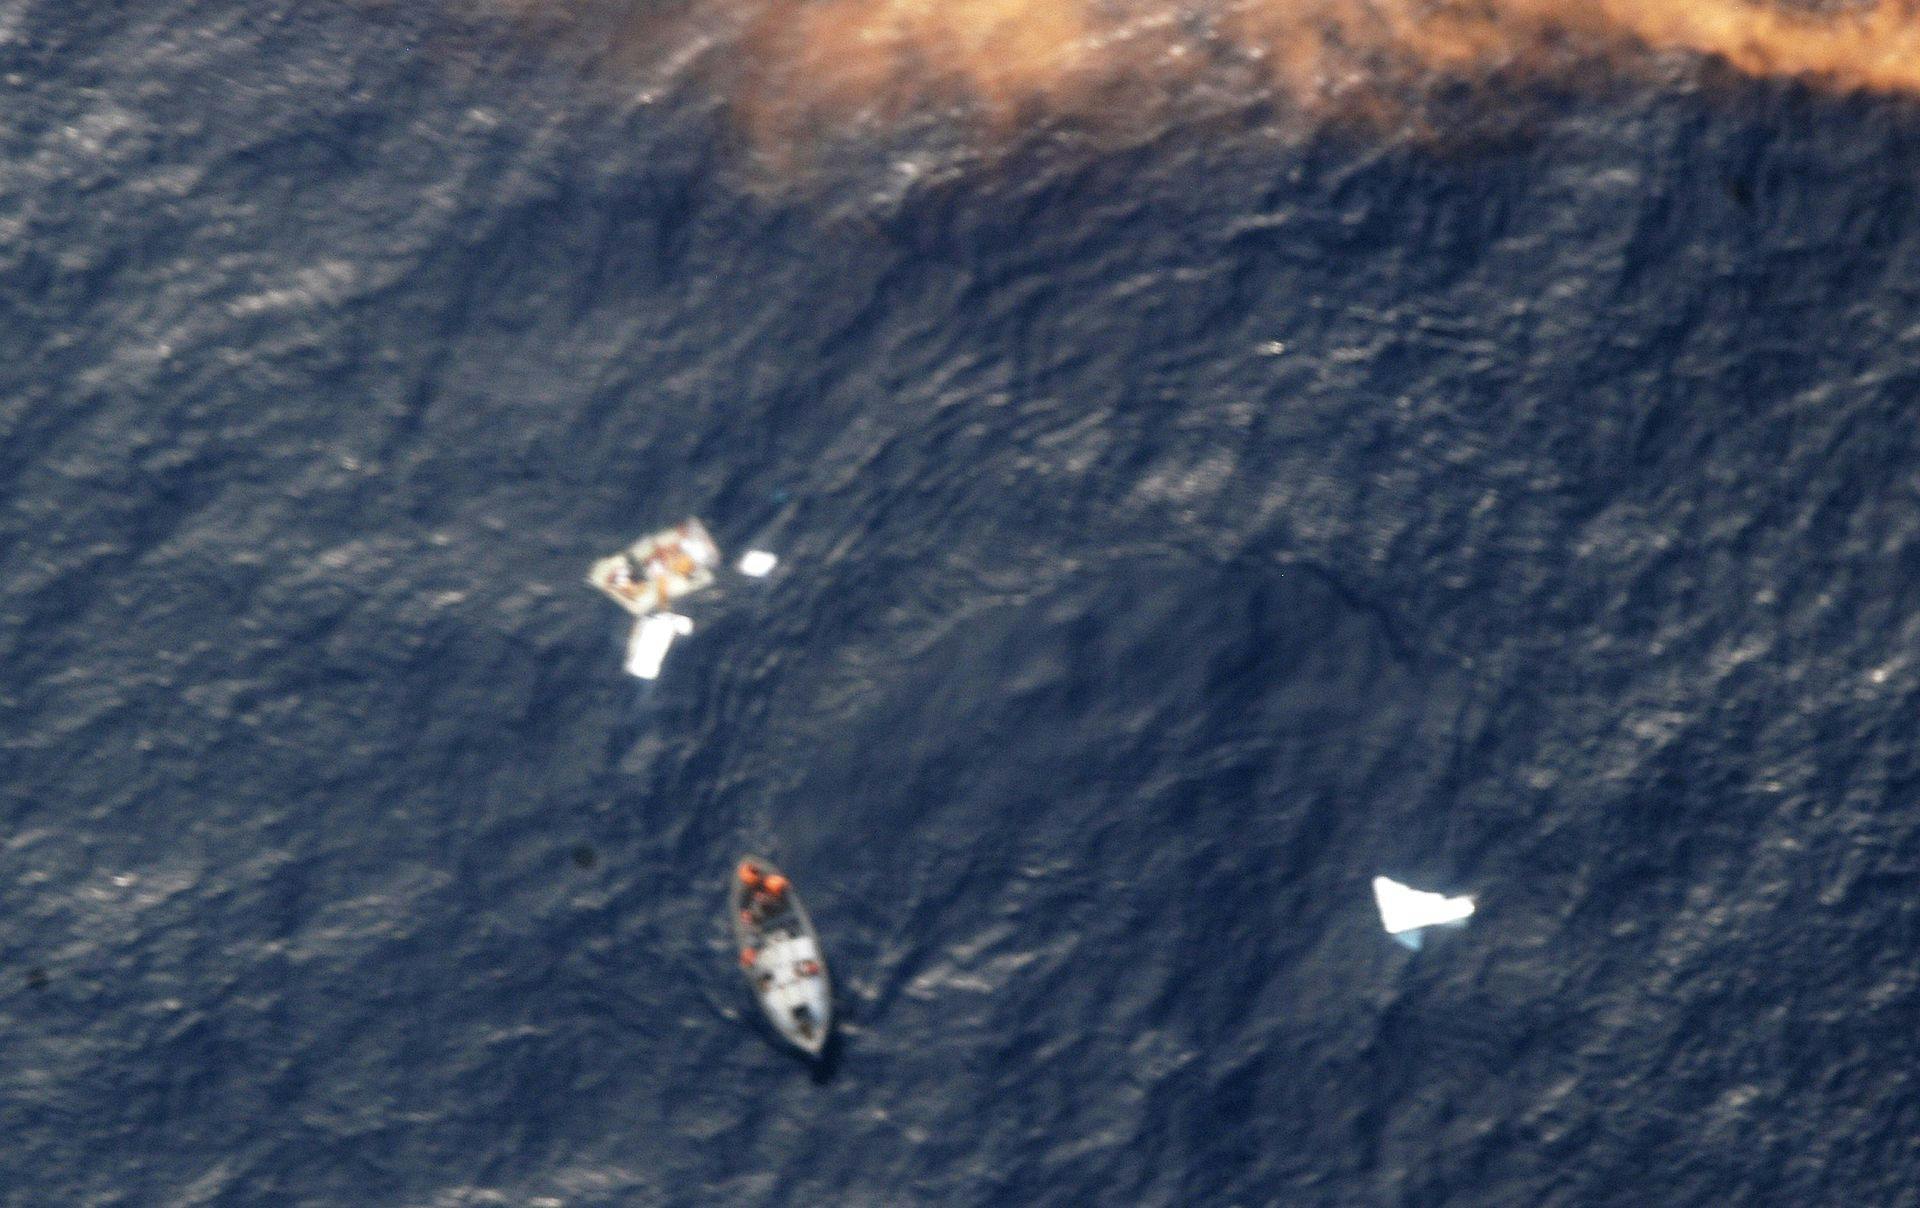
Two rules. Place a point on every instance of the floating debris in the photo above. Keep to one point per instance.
(758, 563)
(1406, 913)
(648, 643)
(658, 569)
(644, 578)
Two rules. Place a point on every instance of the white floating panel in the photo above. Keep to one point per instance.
(1406, 912)
(758, 563)
(652, 635)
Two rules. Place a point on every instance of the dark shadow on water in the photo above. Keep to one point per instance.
(822, 1069)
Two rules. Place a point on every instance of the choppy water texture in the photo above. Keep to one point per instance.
(1179, 529)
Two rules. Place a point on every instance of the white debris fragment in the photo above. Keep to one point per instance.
(652, 635)
(1406, 913)
(758, 563)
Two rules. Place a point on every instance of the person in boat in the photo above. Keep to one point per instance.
(766, 895)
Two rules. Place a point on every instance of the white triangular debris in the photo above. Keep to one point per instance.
(758, 563)
(1404, 910)
(652, 635)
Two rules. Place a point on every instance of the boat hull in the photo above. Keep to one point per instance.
(781, 957)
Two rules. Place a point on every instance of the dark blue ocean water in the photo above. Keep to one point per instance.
(1177, 532)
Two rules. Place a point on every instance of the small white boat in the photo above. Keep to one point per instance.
(659, 569)
(780, 954)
